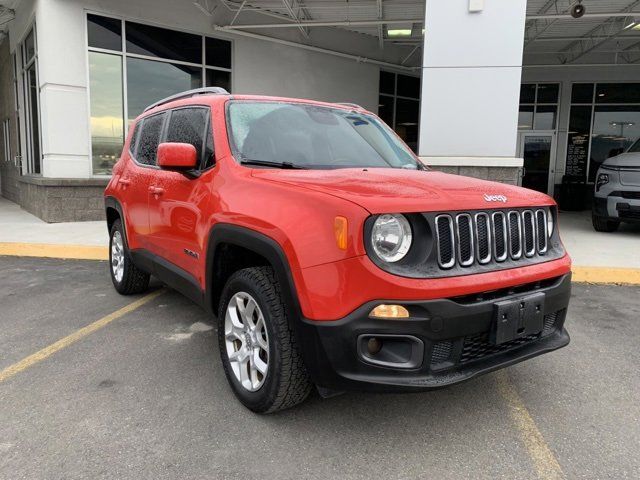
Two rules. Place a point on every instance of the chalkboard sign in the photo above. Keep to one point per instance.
(578, 142)
(577, 156)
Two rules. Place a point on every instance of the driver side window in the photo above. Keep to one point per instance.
(191, 125)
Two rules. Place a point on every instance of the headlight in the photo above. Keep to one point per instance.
(549, 223)
(391, 237)
(603, 179)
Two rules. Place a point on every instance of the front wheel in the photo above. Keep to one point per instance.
(601, 224)
(257, 345)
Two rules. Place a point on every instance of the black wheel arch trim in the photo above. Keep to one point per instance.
(260, 244)
(112, 202)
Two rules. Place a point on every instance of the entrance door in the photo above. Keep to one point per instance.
(538, 148)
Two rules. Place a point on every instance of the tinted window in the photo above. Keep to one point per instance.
(582, 93)
(104, 32)
(618, 93)
(548, 93)
(218, 52)
(209, 155)
(163, 43)
(408, 86)
(387, 83)
(149, 140)
(217, 78)
(385, 109)
(528, 93)
(187, 125)
(134, 139)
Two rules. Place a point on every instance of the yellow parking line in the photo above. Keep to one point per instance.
(624, 276)
(46, 250)
(544, 461)
(74, 337)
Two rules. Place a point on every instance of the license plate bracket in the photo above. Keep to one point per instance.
(519, 317)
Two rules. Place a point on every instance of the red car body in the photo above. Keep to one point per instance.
(172, 216)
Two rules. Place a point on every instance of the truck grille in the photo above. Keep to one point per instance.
(464, 239)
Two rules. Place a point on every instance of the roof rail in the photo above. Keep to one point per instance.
(188, 94)
(353, 105)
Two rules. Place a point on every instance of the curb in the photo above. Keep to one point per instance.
(45, 250)
(606, 275)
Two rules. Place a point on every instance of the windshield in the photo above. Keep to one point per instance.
(315, 137)
(635, 147)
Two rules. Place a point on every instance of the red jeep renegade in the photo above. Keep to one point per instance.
(330, 255)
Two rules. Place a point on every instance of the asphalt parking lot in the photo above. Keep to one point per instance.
(145, 397)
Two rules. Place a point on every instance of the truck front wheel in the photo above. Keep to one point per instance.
(257, 345)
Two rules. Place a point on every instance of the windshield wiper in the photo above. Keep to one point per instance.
(267, 163)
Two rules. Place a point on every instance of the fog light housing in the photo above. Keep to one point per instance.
(389, 311)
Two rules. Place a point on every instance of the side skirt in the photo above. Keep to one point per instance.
(171, 274)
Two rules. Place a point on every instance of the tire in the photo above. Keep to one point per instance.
(130, 279)
(601, 224)
(285, 382)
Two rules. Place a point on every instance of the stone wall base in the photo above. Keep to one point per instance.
(509, 175)
(63, 200)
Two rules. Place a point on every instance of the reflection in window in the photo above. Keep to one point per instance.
(618, 93)
(104, 32)
(407, 119)
(187, 125)
(163, 43)
(615, 128)
(399, 105)
(525, 117)
(545, 117)
(105, 77)
(149, 81)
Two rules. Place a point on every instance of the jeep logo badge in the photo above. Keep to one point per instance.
(495, 198)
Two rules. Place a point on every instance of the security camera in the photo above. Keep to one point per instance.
(577, 10)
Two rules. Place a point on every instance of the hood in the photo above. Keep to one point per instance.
(623, 160)
(392, 190)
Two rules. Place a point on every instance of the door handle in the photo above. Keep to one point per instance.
(156, 190)
(124, 181)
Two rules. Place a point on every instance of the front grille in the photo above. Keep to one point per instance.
(631, 195)
(479, 346)
(630, 214)
(464, 239)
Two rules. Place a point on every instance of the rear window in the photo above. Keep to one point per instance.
(147, 149)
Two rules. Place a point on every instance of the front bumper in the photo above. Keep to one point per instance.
(448, 341)
(618, 205)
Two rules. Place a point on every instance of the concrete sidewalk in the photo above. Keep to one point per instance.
(22, 234)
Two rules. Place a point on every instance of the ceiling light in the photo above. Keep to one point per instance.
(399, 32)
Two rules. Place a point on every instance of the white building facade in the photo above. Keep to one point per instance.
(448, 76)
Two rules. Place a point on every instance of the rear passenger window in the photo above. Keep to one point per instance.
(134, 139)
(149, 139)
(190, 125)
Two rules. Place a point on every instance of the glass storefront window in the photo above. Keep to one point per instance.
(217, 52)
(538, 106)
(163, 43)
(107, 133)
(399, 105)
(545, 118)
(218, 78)
(615, 128)
(175, 63)
(618, 93)
(104, 32)
(149, 81)
(582, 93)
(525, 117)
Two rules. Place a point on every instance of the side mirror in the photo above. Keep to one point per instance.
(177, 156)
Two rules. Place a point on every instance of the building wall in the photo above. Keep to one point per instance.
(566, 76)
(9, 172)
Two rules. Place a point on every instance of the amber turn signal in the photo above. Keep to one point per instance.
(389, 311)
(340, 229)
